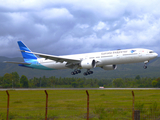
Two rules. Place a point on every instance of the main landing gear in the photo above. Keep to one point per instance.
(75, 72)
(88, 72)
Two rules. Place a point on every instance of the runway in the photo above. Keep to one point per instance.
(3, 89)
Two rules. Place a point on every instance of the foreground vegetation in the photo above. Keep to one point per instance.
(71, 104)
(14, 80)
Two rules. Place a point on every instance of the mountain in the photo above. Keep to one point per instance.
(122, 71)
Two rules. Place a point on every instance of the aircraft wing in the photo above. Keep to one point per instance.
(56, 58)
(23, 63)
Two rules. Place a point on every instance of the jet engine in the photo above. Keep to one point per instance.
(88, 64)
(109, 67)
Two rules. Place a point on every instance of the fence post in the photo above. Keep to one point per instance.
(137, 115)
(87, 105)
(7, 105)
(46, 104)
(133, 106)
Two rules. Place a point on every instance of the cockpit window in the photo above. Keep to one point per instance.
(151, 51)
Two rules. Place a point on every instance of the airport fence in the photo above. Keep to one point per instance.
(41, 108)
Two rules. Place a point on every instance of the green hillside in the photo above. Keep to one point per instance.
(122, 71)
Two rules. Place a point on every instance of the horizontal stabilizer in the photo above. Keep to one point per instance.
(23, 63)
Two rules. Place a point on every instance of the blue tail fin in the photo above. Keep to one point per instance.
(28, 57)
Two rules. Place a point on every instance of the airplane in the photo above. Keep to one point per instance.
(107, 60)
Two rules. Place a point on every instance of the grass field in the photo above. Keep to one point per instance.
(71, 104)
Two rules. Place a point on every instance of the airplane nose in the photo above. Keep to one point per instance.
(156, 54)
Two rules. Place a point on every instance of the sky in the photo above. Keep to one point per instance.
(78, 26)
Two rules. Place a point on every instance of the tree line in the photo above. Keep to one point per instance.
(13, 80)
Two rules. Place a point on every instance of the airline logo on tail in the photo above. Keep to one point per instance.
(28, 57)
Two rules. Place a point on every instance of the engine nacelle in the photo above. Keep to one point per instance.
(109, 67)
(88, 64)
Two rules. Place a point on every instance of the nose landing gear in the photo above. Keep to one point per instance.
(145, 64)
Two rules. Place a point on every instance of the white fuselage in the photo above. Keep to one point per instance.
(105, 58)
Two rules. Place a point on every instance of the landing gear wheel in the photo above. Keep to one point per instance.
(72, 73)
(91, 72)
(79, 71)
(85, 74)
(145, 67)
(75, 72)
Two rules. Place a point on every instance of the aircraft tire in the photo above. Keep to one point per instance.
(85, 74)
(79, 71)
(145, 67)
(90, 72)
(72, 73)
(75, 72)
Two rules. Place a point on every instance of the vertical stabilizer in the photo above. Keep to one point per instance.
(28, 57)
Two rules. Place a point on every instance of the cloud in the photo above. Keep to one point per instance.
(79, 26)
